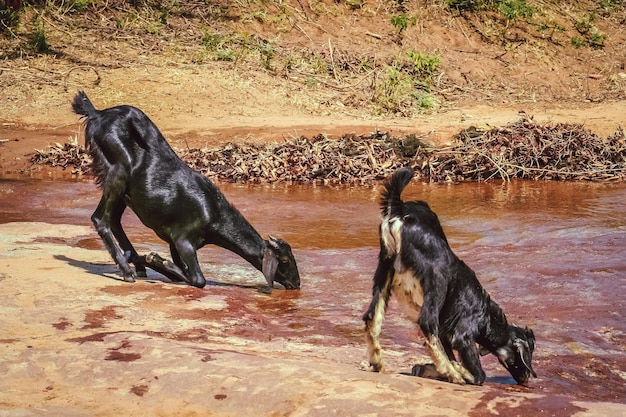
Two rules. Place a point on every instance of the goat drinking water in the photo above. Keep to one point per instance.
(135, 166)
(441, 294)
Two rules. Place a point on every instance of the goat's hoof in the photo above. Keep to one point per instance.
(265, 290)
(377, 367)
(465, 374)
(129, 278)
(198, 284)
(456, 378)
(450, 374)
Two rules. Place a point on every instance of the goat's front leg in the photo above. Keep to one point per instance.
(452, 370)
(470, 358)
(443, 357)
(185, 257)
(375, 314)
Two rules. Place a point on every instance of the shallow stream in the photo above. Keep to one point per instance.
(552, 255)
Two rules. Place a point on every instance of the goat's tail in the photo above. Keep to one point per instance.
(390, 201)
(82, 105)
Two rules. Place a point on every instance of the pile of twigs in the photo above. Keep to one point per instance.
(524, 150)
(347, 160)
(69, 155)
(528, 150)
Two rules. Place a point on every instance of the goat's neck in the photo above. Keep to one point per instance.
(238, 236)
(498, 333)
(253, 251)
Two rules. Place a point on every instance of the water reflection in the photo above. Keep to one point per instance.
(551, 254)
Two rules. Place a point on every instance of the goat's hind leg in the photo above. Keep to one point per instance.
(375, 314)
(106, 220)
(130, 254)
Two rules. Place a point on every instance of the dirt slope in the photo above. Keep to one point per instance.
(161, 60)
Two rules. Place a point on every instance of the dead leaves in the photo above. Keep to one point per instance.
(350, 159)
(65, 156)
(524, 149)
(528, 150)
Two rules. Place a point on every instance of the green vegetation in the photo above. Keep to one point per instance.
(8, 19)
(597, 39)
(585, 24)
(236, 46)
(250, 34)
(610, 5)
(423, 65)
(76, 6)
(514, 9)
(577, 42)
(406, 84)
(37, 41)
(590, 35)
(402, 21)
(511, 9)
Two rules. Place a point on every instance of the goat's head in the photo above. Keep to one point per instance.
(279, 264)
(516, 356)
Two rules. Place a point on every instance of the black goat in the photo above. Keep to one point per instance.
(441, 294)
(136, 167)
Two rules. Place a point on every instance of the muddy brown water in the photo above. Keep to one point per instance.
(551, 254)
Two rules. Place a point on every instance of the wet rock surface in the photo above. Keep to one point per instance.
(76, 340)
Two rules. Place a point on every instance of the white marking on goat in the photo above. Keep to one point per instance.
(406, 285)
(391, 233)
(454, 371)
(373, 330)
(407, 289)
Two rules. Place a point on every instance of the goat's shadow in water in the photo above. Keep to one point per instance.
(111, 271)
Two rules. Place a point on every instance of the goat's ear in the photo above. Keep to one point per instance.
(505, 355)
(270, 265)
(525, 353)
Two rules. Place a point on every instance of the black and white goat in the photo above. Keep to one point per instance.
(136, 167)
(441, 294)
